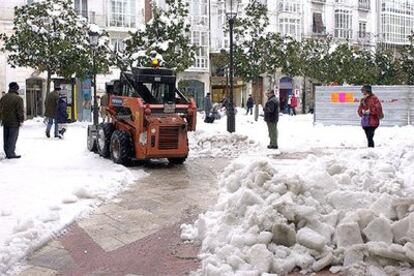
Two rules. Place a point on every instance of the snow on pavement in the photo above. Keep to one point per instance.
(346, 207)
(53, 183)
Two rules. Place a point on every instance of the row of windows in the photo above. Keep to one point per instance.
(343, 24)
(396, 28)
(122, 13)
(397, 6)
(290, 6)
(290, 26)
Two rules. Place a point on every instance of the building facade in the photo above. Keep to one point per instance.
(368, 23)
(117, 17)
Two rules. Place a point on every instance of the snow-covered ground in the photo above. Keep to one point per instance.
(54, 182)
(326, 201)
(275, 210)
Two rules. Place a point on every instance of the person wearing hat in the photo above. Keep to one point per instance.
(370, 111)
(271, 117)
(11, 117)
(51, 103)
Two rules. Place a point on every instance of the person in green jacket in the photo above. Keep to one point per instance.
(51, 111)
(12, 117)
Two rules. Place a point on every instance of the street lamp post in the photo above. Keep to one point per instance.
(231, 14)
(93, 39)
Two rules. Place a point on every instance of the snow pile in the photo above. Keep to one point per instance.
(352, 211)
(53, 183)
(207, 144)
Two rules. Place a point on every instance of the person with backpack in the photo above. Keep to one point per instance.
(370, 111)
(62, 114)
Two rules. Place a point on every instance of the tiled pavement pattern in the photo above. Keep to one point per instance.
(138, 232)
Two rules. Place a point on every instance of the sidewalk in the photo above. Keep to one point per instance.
(138, 232)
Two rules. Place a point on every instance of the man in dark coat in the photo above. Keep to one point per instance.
(51, 111)
(11, 116)
(271, 117)
(207, 104)
(249, 105)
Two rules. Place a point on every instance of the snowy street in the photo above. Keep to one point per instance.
(323, 180)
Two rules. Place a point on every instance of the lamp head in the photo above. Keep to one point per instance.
(231, 7)
(93, 38)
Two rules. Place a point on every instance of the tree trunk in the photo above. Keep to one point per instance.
(49, 74)
(256, 106)
(304, 96)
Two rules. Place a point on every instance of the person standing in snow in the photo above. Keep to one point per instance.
(293, 105)
(249, 105)
(11, 117)
(51, 103)
(207, 105)
(271, 117)
(61, 115)
(370, 111)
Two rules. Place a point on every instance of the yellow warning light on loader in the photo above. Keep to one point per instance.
(155, 62)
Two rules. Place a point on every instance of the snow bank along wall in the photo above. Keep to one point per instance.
(337, 105)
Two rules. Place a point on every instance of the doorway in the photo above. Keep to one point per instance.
(34, 98)
(285, 90)
(193, 89)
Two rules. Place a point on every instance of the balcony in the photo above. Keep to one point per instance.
(343, 34)
(364, 5)
(322, 2)
(364, 38)
(318, 31)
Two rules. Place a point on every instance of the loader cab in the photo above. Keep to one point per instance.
(153, 85)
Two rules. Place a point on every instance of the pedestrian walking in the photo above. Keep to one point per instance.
(293, 105)
(370, 111)
(249, 105)
(51, 103)
(11, 117)
(62, 115)
(271, 117)
(207, 107)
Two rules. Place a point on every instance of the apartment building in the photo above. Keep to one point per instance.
(117, 17)
(368, 23)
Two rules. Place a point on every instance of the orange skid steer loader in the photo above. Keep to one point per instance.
(149, 118)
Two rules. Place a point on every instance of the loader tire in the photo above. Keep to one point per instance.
(177, 160)
(121, 147)
(103, 138)
(91, 140)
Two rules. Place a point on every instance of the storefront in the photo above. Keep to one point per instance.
(34, 97)
(220, 90)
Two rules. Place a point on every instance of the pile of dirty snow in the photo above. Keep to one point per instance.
(352, 211)
(217, 144)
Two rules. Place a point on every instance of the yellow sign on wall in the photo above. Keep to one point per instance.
(341, 97)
